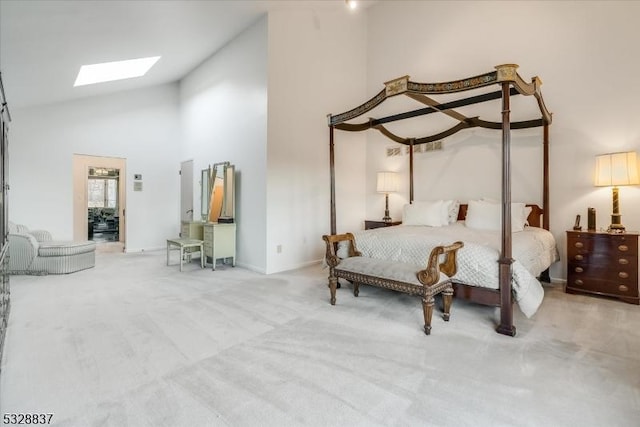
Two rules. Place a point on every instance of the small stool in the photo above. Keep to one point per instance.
(181, 245)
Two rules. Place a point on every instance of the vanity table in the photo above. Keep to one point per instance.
(191, 230)
(218, 212)
(219, 242)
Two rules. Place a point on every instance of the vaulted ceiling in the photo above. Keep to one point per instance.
(43, 43)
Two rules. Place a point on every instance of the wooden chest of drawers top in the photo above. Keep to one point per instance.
(579, 242)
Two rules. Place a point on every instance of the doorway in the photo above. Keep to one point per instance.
(102, 207)
(99, 185)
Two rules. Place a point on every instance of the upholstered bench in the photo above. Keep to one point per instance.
(35, 252)
(62, 257)
(394, 275)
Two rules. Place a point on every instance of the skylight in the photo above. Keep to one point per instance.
(117, 70)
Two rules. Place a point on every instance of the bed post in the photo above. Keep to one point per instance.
(411, 142)
(544, 276)
(332, 169)
(545, 181)
(505, 262)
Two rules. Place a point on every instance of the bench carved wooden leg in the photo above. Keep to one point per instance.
(356, 289)
(427, 308)
(447, 297)
(333, 282)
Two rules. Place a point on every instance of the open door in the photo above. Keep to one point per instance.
(186, 191)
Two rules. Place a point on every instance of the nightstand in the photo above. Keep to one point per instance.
(603, 263)
(368, 225)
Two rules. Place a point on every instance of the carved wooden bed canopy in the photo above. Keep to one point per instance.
(511, 84)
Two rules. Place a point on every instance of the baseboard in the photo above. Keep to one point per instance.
(251, 267)
(298, 266)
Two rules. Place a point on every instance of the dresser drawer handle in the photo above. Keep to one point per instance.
(579, 270)
(578, 282)
(579, 257)
(623, 288)
(623, 248)
(623, 275)
(580, 245)
(623, 261)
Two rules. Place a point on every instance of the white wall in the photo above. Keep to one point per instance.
(140, 126)
(300, 65)
(223, 115)
(584, 53)
(317, 64)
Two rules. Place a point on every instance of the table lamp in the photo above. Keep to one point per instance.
(616, 169)
(387, 183)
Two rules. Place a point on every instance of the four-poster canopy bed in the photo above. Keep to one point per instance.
(511, 84)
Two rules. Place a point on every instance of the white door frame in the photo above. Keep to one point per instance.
(186, 190)
(81, 165)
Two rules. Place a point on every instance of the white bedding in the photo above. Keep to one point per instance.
(533, 250)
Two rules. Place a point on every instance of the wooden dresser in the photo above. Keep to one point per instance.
(219, 242)
(603, 263)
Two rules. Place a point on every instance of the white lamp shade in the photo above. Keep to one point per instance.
(387, 182)
(616, 169)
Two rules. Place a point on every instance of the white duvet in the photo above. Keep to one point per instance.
(533, 250)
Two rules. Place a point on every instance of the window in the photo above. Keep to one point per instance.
(103, 188)
(103, 193)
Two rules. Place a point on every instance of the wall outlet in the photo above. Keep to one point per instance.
(279, 249)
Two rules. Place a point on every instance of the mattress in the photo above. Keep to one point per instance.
(533, 250)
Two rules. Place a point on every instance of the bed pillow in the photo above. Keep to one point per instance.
(484, 215)
(519, 215)
(527, 209)
(424, 213)
(450, 210)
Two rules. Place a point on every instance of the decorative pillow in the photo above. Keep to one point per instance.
(484, 215)
(518, 217)
(424, 213)
(452, 213)
(527, 212)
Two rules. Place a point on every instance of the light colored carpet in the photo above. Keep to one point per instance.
(133, 342)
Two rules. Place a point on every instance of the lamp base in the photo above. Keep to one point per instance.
(386, 217)
(616, 228)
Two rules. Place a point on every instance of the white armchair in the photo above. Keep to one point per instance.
(35, 252)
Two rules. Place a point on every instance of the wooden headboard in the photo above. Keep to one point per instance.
(534, 219)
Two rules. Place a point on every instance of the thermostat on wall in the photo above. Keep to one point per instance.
(137, 177)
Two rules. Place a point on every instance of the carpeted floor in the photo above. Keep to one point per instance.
(133, 342)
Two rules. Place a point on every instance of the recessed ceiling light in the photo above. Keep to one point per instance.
(352, 4)
(117, 70)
